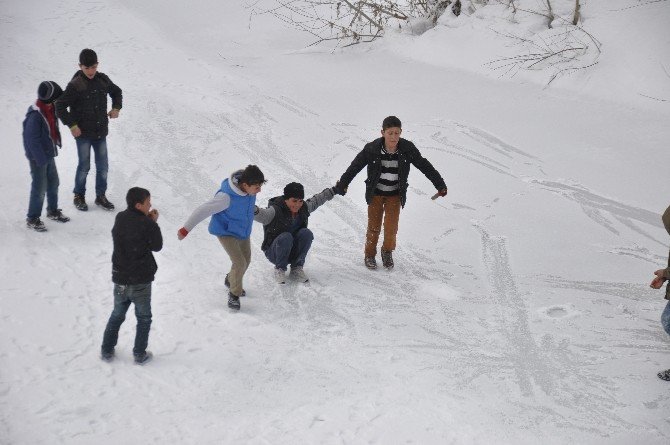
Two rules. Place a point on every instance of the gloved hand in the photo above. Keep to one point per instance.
(442, 192)
(181, 233)
(338, 189)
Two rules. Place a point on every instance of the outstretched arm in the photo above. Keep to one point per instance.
(264, 216)
(428, 170)
(319, 199)
(356, 166)
(219, 203)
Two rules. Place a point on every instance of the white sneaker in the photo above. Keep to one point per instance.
(298, 274)
(280, 276)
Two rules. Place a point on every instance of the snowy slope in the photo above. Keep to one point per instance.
(518, 312)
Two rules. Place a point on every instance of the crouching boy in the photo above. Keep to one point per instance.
(287, 239)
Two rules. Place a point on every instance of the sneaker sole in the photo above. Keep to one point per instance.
(109, 209)
(60, 220)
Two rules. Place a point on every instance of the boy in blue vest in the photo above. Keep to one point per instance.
(232, 212)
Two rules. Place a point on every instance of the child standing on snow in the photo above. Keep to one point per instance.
(83, 108)
(388, 160)
(41, 140)
(663, 275)
(136, 235)
(232, 212)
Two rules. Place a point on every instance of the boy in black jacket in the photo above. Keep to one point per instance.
(136, 235)
(388, 160)
(83, 108)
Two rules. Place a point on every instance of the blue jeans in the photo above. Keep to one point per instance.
(290, 249)
(665, 318)
(101, 165)
(140, 295)
(45, 182)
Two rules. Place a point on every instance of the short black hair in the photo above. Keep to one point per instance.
(136, 195)
(88, 57)
(391, 121)
(252, 175)
(294, 190)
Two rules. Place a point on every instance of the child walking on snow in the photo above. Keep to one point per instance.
(663, 275)
(388, 160)
(232, 212)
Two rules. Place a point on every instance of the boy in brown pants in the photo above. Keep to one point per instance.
(388, 160)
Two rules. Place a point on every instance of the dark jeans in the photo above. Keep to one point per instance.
(45, 182)
(101, 165)
(140, 295)
(290, 249)
(665, 317)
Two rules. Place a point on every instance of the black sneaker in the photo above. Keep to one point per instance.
(227, 283)
(102, 201)
(233, 301)
(36, 224)
(80, 202)
(107, 356)
(664, 375)
(57, 215)
(370, 262)
(387, 259)
(141, 359)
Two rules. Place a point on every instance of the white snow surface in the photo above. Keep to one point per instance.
(518, 312)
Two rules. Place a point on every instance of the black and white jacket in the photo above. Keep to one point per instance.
(371, 156)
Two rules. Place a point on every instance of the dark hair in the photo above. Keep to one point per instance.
(391, 121)
(88, 57)
(294, 190)
(252, 175)
(136, 195)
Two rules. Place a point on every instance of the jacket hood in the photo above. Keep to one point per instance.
(666, 220)
(234, 181)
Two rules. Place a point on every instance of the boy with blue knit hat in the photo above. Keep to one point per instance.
(41, 140)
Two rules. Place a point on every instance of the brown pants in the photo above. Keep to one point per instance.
(239, 251)
(386, 208)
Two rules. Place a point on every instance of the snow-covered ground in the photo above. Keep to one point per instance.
(519, 310)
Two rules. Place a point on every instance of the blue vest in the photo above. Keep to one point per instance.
(237, 219)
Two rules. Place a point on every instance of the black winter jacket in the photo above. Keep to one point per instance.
(87, 102)
(135, 236)
(407, 154)
(282, 221)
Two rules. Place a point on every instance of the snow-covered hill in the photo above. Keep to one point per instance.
(519, 309)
